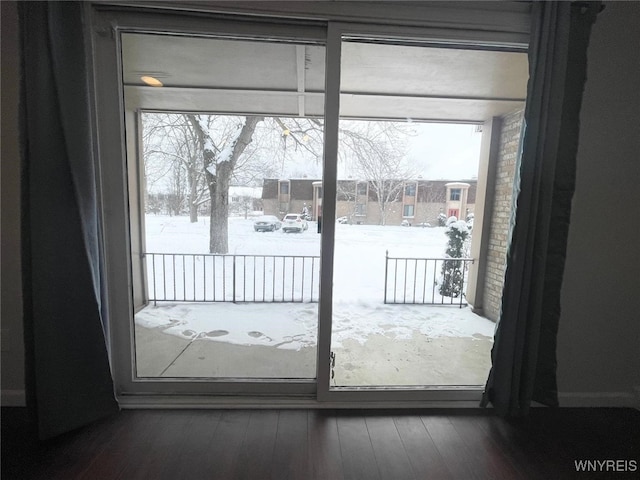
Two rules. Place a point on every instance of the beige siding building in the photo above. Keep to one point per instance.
(414, 201)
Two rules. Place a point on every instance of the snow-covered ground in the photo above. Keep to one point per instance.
(359, 263)
(176, 235)
(294, 326)
(358, 308)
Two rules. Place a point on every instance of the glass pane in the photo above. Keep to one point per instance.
(231, 249)
(409, 132)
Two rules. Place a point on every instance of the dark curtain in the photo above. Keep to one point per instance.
(69, 381)
(524, 353)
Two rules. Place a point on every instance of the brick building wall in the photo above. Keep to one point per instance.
(501, 214)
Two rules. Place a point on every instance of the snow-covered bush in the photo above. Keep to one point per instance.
(442, 219)
(469, 220)
(451, 279)
(451, 220)
(466, 246)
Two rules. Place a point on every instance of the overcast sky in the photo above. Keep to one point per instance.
(439, 151)
(446, 151)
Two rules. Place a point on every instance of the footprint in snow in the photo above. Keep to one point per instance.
(259, 335)
(217, 333)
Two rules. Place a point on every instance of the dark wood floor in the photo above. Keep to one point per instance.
(332, 445)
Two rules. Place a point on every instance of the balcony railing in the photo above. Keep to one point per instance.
(420, 280)
(183, 277)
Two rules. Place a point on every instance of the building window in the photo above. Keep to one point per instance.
(284, 188)
(410, 190)
(407, 211)
(455, 194)
(235, 199)
(361, 210)
(361, 188)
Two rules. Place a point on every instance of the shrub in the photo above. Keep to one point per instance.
(451, 280)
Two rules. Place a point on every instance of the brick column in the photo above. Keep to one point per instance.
(503, 201)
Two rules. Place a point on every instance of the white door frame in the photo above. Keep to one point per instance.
(106, 26)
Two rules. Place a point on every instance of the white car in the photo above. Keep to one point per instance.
(294, 222)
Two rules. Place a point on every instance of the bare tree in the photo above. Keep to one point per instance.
(201, 155)
(346, 191)
(171, 155)
(376, 152)
(214, 150)
(219, 163)
(244, 205)
(177, 197)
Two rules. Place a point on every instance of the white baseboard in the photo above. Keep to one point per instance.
(600, 399)
(13, 398)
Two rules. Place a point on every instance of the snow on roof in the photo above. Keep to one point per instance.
(457, 184)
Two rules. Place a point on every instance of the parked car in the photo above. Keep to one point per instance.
(267, 223)
(294, 222)
(342, 220)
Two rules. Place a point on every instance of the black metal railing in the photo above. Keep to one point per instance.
(184, 277)
(424, 281)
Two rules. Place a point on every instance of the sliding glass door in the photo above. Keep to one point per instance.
(277, 199)
(407, 183)
(223, 149)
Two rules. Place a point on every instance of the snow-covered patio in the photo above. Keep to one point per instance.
(382, 345)
(374, 343)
